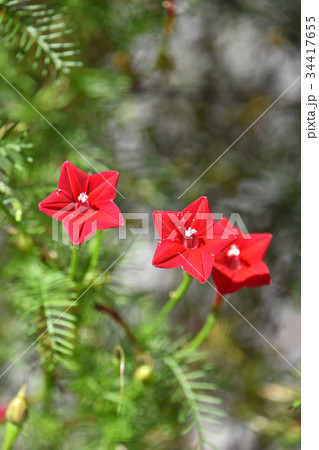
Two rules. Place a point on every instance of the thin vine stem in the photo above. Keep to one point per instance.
(74, 262)
(95, 253)
(211, 319)
(173, 300)
(204, 331)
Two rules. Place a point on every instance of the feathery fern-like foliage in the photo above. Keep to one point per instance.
(13, 159)
(41, 28)
(197, 404)
(13, 145)
(47, 305)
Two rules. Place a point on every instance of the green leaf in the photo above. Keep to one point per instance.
(41, 27)
(196, 404)
(48, 295)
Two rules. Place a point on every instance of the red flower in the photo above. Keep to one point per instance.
(190, 239)
(84, 203)
(240, 264)
(3, 410)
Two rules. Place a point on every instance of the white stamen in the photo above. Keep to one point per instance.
(233, 251)
(190, 232)
(83, 197)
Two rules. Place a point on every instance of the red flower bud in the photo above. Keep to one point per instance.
(17, 410)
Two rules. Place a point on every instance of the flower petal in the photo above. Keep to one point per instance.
(102, 187)
(257, 275)
(109, 216)
(224, 284)
(168, 224)
(198, 263)
(228, 281)
(81, 226)
(58, 204)
(197, 214)
(218, 238)
(73, 181)
(168, 254)
(258, 280)
(254, 249)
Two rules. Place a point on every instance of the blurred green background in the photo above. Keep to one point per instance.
(160, 108)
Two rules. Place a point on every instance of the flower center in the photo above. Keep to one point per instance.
(190, 232)
(191, 240)
(83, 197)
(233, 251)
(82, 201)
(233, 257)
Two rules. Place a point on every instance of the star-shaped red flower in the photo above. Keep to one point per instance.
(84, 203)
(190, 239)
(240, 264)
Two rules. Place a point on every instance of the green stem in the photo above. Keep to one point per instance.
(203, 333)
(211, 319)
(174, 298)
(95, 252)
(74, 262)
(12, 433)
